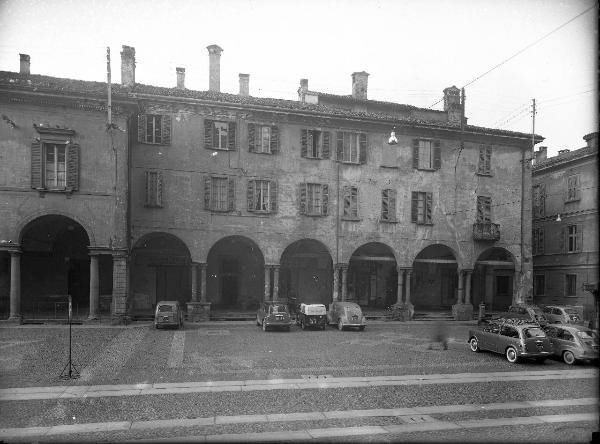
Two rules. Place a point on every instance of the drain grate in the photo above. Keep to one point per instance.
(317, 377)
(416, 419)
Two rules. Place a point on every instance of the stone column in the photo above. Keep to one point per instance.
(94, 286)
(336, 282)
(460, 292)
(120, 287)
(400, 287)
(194, 269)
(344, 280)
(267, 282)
(275, 282)
(468, 275)
(203, 297)
(403, 311)
(198, 310)
(462, 311)
(407, 294)
(15, 286)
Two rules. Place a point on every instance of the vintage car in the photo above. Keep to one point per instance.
(563, 314)
(573, 342)
(273, 315)
(514, 338)
(346, 314)
(312, 315)
(168, 314)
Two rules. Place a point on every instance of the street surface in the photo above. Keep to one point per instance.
(231, 381)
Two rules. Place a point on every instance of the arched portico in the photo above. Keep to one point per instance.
(434, 278)
(372, 276)
(494, 279)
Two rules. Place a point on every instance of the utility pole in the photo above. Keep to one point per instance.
(533, 112)
(109, 107)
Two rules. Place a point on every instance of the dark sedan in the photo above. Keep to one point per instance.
(273, 315)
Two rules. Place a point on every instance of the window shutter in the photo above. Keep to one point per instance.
(479, 216)
(414, 208)
(428, 207)
(208, 134)
(363, 147)
(159, 189)
(250, 195)
(415, 153)
(274, 143)
(579, 238)
(347, 200)
(231, 136)
(325, 189)
(577, 188)
(302, 197)
(326, 145)
(487, 209)
(340, 146)
(392, 205)
(437, 155)
(542, 200)
(73, 166)
(488, 159)
(563, 239)
(166, 130)
(36, 165)
(303, 143)
(207, 192)
(481, 162)
(147, 182)
(231, 194)
(540, 241)
(251, 137)
(273, 196)
(141, 128)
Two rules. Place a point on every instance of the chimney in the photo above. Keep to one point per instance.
(25, 64)
(128, 66)
(452, 104)
(180, 78)
(302, 90)
(214, 55)
(244, 84)
(541, 154)
(591, 140)
(360, 82)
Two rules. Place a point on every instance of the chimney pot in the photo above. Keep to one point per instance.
(244, 84)
(452, 104)
(591, 140)
(360, 82)
(214, 56)
(128, 66)
(180, 78)
(25, 64)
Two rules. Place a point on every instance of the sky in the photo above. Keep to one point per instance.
(412, 49)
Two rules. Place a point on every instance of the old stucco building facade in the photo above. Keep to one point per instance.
(231, 199)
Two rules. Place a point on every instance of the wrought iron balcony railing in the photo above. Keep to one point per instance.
(486, 232)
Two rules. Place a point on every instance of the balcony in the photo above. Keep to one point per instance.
(486, 232)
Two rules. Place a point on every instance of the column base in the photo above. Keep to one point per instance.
(403, 312)
(198, 311)
(14, 320)
(462, 312)
(120, 319)
(93, 317)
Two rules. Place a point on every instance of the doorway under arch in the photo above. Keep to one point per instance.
(372, 276)
(435, 278)
(493, 279)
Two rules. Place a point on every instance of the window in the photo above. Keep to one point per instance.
(573, 188)
(219, 193)
(537, 240)
(511, 332)
(350, 203)
(484, 164)
(427, 154)
(54, 165)
(351, 147)
(154, 185)
(314, 199)
(315, 144)
(565, 335)
(539, 285)
(262, 196)
(571, 284)
(154, 129)
(219, 135)
(422, 206)
(263, 139)
(573, 239)
(539, 200)
(484, 210)
(55, 174)
(388, 205)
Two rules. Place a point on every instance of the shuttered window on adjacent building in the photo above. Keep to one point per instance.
(388, 205)
(351, 147)
(573, 188)
(539, 285)
(315, 144)
(539, 200)
(350, 199)
(485, 160)
(571, 238)
(263, 139)
(219, 135)
(154, 189)
(538, 241)
(219, 193)
(262, 196)
(313, 199)
(570, 285)
(427, 154)
(54, 166)
(422, 207)
(484, 210)
(154, 129)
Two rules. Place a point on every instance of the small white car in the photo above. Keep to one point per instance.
(168, 314)
(346, 314)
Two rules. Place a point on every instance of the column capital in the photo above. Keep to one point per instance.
(399, 269)
(272, 265)
(342, 265)
(11, 248)
(94, 251)
(466, 270)
(120, 252)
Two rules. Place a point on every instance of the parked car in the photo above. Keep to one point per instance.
(531, 312)
(168, 314)
(563, 314)
(346, 314)
(273, 315)
(312, 315)
(514, 338)
(572, 342)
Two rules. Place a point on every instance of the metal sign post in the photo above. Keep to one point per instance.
(72, 372)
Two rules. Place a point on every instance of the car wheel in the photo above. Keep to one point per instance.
(474, 345)
(511, 355)
(568, 357)
(340, 325)
(264, 325)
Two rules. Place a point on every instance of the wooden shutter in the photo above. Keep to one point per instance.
(414, 208)
(415, 153)
(208, 134)
(362, 141)
(437, 155)
(540, 241)
(148, 177)
(577, 188)
(542, 200)
(274, 143)
(481, 162)
(166, 130)
(273, 196)
(159, 189)
(36, 165)
(304, 143)
(563, 239)
(141, 128)
(428, 207)
(392, 205)
(251, 137)
(207, 192)
(231, 145)
(579, 238)
(72, 166)
(326, 145)
(302, 188)
(325, 194)
(340, 146)
(250, 195)
(231, 194)
(347, 201)
(488, 160)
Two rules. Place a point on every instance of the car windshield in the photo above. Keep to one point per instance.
(165, 308)
(571, 311)
(278, 309)
(537, 311)
(534, 332)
